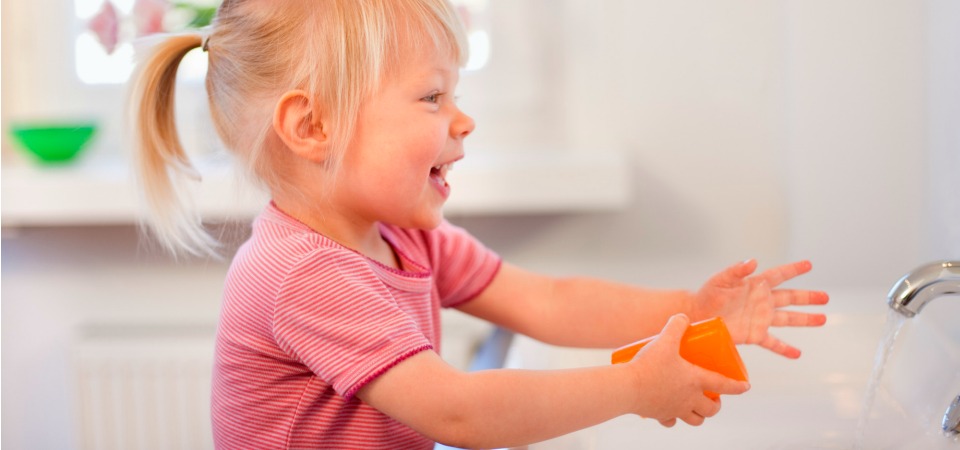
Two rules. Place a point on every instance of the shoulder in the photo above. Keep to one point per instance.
(280, 251)
(431, 241)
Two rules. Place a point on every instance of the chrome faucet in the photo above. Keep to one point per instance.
(925, 283)
(951, 418)
(912, 293)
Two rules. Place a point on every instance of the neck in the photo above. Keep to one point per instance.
(360, 236)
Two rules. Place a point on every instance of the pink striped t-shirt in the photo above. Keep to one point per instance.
(306, 322)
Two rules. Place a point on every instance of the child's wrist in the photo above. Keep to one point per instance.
(636, 377)
(690, 305)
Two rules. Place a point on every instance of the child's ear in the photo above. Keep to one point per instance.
(297, 124)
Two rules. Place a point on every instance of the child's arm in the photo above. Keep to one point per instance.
(594, 313)
(576, 312)
(499, 408)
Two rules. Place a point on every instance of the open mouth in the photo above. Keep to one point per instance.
(439, 173)
(438, 177)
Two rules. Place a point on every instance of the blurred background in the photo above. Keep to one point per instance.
(644, 141)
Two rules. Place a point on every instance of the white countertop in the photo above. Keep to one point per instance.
(104, 192)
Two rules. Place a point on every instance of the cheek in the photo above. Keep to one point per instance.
(395, 152)
(418, 150)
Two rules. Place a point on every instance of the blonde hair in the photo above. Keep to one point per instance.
(336, 50)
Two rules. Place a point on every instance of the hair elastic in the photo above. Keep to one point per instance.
(205, 33)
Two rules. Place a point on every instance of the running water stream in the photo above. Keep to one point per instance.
(892, 328)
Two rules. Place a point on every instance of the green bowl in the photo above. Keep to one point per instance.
(54, 143)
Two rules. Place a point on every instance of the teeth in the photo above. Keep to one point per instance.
(443, 169)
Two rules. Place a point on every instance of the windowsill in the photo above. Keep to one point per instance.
(104, 193)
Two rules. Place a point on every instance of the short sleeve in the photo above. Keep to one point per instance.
(462, 266)
(341, 322)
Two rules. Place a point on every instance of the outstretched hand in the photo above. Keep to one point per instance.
(750, 305)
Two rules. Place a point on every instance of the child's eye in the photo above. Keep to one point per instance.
(432, 98)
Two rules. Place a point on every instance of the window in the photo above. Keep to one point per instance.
(475, 18)
(104, 47)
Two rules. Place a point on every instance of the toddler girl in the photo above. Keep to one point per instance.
(328, 336)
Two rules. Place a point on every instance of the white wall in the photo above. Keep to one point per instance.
(873, 141)
(856, 143)
(777, 130)
(942, 196)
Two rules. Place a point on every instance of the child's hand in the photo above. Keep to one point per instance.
(672, 388)
(751, 305)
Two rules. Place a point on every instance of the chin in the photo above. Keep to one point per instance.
(429, 221)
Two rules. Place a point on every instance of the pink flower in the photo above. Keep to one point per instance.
(149, 16)
(465, 15)
(106, 26)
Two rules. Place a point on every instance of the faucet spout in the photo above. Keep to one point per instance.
(924, 284)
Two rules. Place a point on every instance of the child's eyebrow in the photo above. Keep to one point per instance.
(443, 71)
(436, 74)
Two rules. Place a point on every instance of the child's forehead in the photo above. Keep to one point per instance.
(424, 60)
(420, 38)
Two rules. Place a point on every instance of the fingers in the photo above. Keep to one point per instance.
(714, 382)
(707, 407)
(745, 268)
(693, 418)
(734, 274)
(778, 275)
(673, 331)
(783, 318)
(704, 409)
(779, 347)
(797, 319)
(793, 297)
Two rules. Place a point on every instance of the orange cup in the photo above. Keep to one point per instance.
(707, 344)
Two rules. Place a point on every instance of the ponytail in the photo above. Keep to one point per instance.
(162, 166)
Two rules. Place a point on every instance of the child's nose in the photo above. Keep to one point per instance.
(462, 126)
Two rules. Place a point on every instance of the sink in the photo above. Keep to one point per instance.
(811, 403)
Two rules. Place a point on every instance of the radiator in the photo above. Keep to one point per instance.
(148, 387)
(143, 387)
